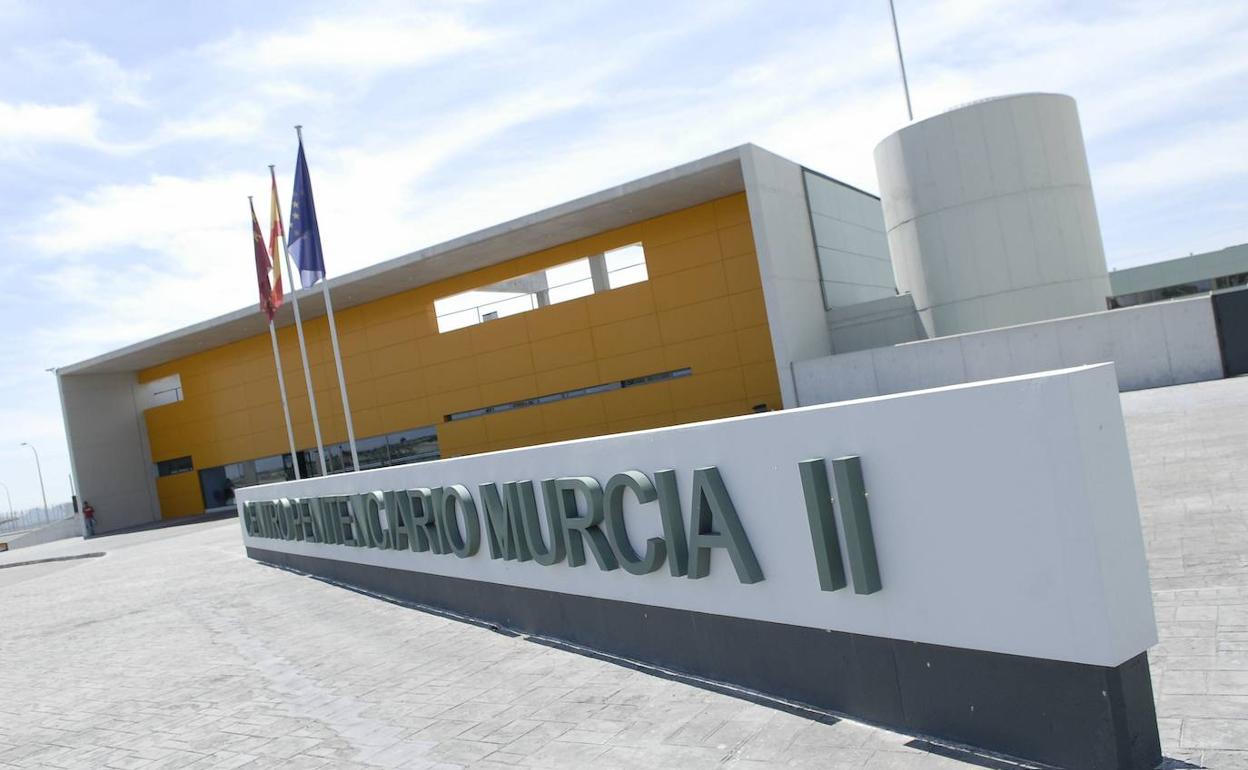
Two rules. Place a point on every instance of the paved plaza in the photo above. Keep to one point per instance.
(174, 650)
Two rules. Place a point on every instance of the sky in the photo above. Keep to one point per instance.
(132, 132)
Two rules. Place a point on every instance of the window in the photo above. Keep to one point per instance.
(413, 446)
(372, 451)
(576, 393)
(626, 266)
(571, 280)
(174, 466)
(338, 457)
(1229, 281)
(218, 484)
(408, 446)
(269, 470)
(1177, 290)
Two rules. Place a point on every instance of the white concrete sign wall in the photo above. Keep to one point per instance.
(1151, 346)
(1003, 515)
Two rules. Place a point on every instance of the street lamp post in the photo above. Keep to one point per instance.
(6, 494)
(39, 470)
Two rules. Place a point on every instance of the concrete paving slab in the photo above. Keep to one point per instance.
(175, 650)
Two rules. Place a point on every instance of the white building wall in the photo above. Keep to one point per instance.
(108, 449)
(852, 247)
(990, 215)
(1165, 343)
(787, 262)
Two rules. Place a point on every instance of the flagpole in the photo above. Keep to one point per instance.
(303, 348)
(269, 305)
(342, 382)
(281, 385)
(333, 339)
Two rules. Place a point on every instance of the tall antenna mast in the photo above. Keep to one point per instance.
(900, 59)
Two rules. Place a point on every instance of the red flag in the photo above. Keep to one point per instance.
(262, 266)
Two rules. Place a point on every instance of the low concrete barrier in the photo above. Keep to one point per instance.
(57, 530)
(1165, 343)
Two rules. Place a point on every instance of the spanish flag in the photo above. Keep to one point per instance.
(262, 265)
(277, 236)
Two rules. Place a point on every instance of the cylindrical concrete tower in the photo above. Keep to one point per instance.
(990, 215)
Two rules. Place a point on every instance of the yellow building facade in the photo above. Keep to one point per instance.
(689, 294)
(700, 309)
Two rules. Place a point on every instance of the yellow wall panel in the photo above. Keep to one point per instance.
(499, 334)
(737, 241)
(506, 391)
(503, 363)
(621, 337)
(556, 319)
(368, 422)
(517, 422)
(179, 495)
(701, 308)
(452, 375)
(645, 422)
(441, 348)
(630, 365)
(551, 381)
(443, 403)
(392, 359)
(563, 350)
(709, 388)
(761, 382)
(572, 413)
(730, 211)
(706, 354)
(621, 304)
(755, 345)
(570, 434)
(682, 255)
(627, 403)
(413, 413)
(679, 225)
(266, 418)
(742, 273)
(697, 284)
(712, 411)
(748, 309)
(395, 388)
(457, 437)
(691, 322)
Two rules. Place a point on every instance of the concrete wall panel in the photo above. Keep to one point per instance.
(1166, 343)
(1190, 321)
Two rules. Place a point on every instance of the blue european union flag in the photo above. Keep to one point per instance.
(304, 237)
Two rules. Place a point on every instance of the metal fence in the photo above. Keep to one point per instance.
(34, 518)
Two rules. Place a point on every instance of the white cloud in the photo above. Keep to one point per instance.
(355, 45)
(1199, 154)
(178, 217)
(235, 123)
(76, 68)
(49, 124)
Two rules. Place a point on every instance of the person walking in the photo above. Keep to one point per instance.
(88, 518)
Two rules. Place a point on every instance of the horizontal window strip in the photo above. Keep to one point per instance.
(631, 382)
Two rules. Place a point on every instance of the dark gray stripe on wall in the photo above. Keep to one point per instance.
(1230, 315)
(1066, 714)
